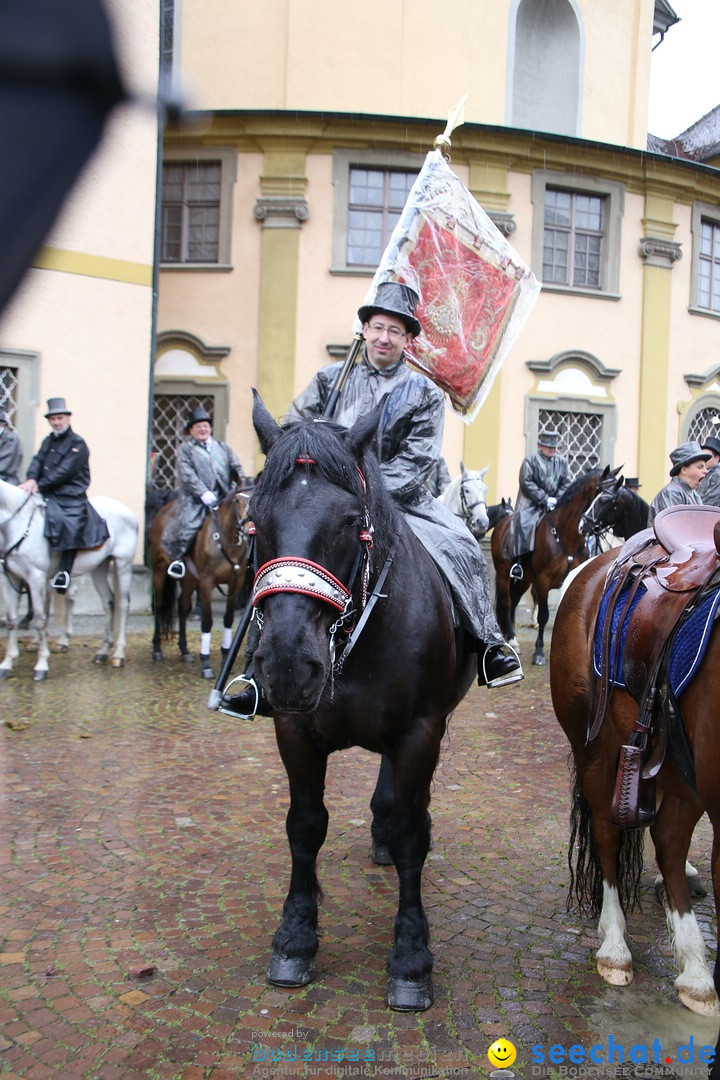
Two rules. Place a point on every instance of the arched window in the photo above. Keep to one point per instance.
(545, 61)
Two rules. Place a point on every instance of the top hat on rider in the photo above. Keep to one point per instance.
(713, 445)
(389, 323)
(632, 482)
(56, 406)
(200, 417)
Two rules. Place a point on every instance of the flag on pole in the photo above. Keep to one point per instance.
(475, 292)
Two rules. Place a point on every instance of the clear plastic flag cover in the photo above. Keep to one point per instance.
(475, 291)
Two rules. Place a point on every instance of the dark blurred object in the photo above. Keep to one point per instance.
(59, 81)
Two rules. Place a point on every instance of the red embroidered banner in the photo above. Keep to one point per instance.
(475, 291)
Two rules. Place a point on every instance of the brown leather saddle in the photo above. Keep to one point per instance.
(659, 578)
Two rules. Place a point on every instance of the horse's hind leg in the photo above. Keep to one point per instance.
(296, 942)
(671, 832)
(122, 583)
(99, 577)
(12, 652)
(408, 838)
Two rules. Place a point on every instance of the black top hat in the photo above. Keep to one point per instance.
(632, 482)
(196, 417)
(549, 438)
(56, 407)
(685, 454)
(712, 444)
(392, 298)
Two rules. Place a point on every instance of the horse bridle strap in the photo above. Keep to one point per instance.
(298, 575)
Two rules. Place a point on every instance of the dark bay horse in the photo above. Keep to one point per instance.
(607, 861)
(218, 556)
(559, 547)
(335, 554)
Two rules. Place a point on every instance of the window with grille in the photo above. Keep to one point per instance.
(376, 198)
(170, 413)
(8, 395)
(191, 211)
(573, 238)
(708, 266)
(705, 422)
(581, 437)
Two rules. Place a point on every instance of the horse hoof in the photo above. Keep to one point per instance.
(539, 660)
(381, 854)
(31, 646)
(117, 662)
(39, 676)
(58, 649)
(5, 673)
(410, 995)
(100, 658)
(187, 658)
(207, 673)
(290, 970)
(616, 976)
(158, 657)
(706, 1005)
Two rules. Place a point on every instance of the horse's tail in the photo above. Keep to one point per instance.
(164, 607)
(586, 877)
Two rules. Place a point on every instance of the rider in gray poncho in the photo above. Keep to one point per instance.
(409, 442)
(543, 478)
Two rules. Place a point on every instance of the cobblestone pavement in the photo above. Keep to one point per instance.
(144, 866)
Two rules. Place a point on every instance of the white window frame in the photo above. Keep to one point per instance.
(614, 195)
(700, 212)
(343, 161)
(227, 156)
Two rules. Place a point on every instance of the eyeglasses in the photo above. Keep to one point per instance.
(393, 332)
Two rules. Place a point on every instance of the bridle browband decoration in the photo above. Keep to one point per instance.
(296, 575)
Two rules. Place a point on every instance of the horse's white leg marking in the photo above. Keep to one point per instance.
(227, 636)
(122, 568)
(694, 984)
(205, 637)
(614, 961)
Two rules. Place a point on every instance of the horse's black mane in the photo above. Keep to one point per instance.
(326, 445)
(580, 483)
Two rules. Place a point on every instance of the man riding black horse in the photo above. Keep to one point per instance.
(409, 441)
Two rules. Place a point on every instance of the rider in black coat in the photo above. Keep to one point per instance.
(60, 472)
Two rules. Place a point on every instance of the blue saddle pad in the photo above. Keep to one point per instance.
(688, 648)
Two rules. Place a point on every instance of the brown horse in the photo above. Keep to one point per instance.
(218, 556)
(608, 861)
(559, 547)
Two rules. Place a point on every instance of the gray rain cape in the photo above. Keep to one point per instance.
(409, 444)
(676, 493)
(199, 470)
(540, 477)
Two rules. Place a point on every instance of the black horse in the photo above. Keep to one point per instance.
(358, 648)
(622, 512)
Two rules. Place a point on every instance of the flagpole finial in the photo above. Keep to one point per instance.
(456, 117)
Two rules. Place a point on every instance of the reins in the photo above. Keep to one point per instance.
(5, 554)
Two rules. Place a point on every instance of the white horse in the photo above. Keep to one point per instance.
(25, 555)
(466, 496)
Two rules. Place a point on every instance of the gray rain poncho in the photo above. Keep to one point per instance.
(409, 443)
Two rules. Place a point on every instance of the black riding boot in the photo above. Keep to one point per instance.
(251, 700)
(61, 582)
(496, 667)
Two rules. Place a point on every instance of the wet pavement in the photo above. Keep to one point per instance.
(144, 865)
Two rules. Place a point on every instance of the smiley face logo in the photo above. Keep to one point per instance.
(501, 1054)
